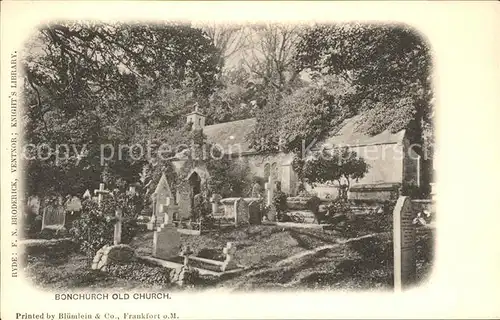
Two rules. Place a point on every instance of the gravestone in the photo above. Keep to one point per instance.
(184, 200)
(34, 204)
(241, 212)
(215, 201)
(87, 195)
(256, 190)
(166, 241)
(100, 192)
(162, 192)
(72, 206)
(229, 207)
(54, 216)
(254, 213)
(229, 262)
(269, 186)
(404, 234)
(117, 235)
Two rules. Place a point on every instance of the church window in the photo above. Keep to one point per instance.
(267, 171)
(275, 171)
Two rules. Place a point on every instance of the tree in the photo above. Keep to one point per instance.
(339, 165)
(303, 117)
(388, 68)
(228, 39)
(272, 56)
(94, 84)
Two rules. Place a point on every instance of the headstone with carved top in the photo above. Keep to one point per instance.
(160, 196)
(241, 212)
(254, 212)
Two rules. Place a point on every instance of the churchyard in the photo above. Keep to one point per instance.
(243, 246)
(154, 161)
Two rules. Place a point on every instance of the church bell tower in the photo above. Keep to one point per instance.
(196, 118)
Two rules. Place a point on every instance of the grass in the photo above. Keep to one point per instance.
(73, 271)
(256, 245)
(363, 265)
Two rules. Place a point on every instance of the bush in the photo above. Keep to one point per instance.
(140, 272)
(339, 206)
(191, 277)
(313, 203)
(383, 221)
(279, 202)
(414, 191)
(94, 230)
(52, 233)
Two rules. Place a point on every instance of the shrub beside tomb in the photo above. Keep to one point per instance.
(280, 204)
(138, 271)
(95, 228)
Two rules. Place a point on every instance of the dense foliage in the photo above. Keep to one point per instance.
(94, 229)
(153, 275)
(97, 84)
(279, 203)
(382, 72)
(388, 67)
(304, 117)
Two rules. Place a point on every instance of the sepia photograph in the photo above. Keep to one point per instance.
(247, 160)
(251, 156)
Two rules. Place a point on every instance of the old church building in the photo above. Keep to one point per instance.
(391, 160)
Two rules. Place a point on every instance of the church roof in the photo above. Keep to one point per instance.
(229, 134)
(232, 133)
(347, 135)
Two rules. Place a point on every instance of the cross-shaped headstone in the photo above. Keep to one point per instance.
(117, 237)
(100, 192)
(168, 210)
(229, 251)
(164, 212)
(269, 186)
(186, 252)
(215, 199)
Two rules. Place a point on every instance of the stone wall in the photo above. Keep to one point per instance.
(257, 167)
